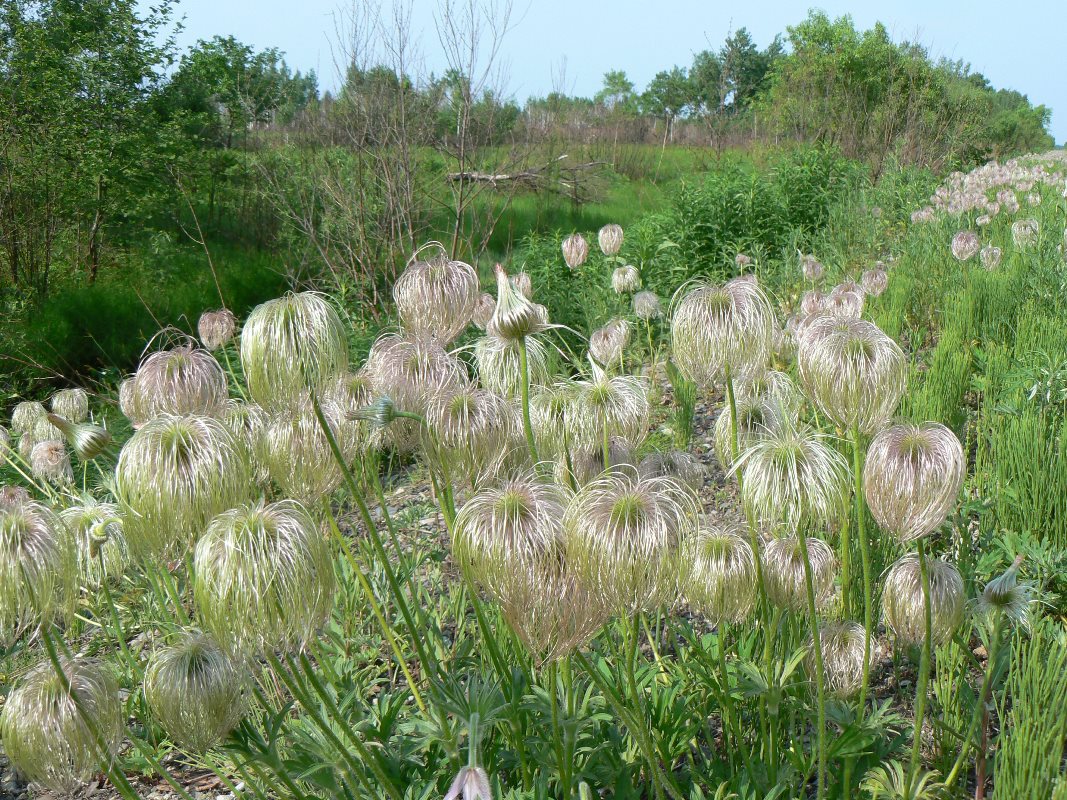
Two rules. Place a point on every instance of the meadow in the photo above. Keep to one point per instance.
(757, 495)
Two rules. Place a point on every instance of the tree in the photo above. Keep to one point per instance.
(668, 95)
(617, 93)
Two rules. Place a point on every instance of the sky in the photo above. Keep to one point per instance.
(1018, 45)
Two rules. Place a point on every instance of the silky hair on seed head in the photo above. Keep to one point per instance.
(647, 306)
(842, 652)
(297, 453)
(436, 296)
(912, 478)
(498, 365)
(181, 380)
(216, 328)
(610, 239)
(903, 607)
(25, 416)
(606, 344)
(289, 346)
(783, 573)
(575, 250)
(71, 404)
(50, 461)
(720, 582)
(98, 536)
(626, 279)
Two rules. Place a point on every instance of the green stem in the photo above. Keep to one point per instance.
(983, 698)
(120, 635)
(924, 667)
(865, 556)
(820, 672)
(527, 427)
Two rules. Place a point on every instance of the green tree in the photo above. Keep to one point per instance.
(668, 95)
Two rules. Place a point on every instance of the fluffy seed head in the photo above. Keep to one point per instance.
(756, 418)
(912, 478)
(720, 582)
(436, 297)
(874, 281)
(812, 302)
(472, 427)
(515, 317)
(626, 280)
(510, 539)
(25, 416)
(742, 260)
(965, 245)
(854, 372)
(50, 461)
(902, 600)
(216, 328)
(618, 403)
(587, 464)
(5, 439)
(842, 654)
(793, 475)
(498, 363)
(719, 328)
(676, 464)
(290, 345)
(71, 404)
(99, 538)
(297, 454)
(626, 536)
(128, 400)
(264, 578)
(575, 250)
(1024, 232)
(45, 734)
(610, 239)
(607, 344)
(811, 267)
(195, 691)
(173, 476)
(647, 306)
(248, 423)
(38, 566)
(182, 380)
(1005, 595)
(783, 573)
(990, 256)
(483, 310)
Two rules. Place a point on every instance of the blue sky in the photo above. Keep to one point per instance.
(1019, 45)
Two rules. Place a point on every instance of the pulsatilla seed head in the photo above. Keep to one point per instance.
(264, 578)
(912, 478)
(792, 475)
(38, 567)
(87, 440)
(610, 239)
(51, 461)
(965, 245)
(195, 691)
(71, 404)
(575, 250)
(297, 453)
(1024, 232)
(473, 429)
(842, 653)
(811, 267)
(757, 417)
(626, 280)
(216, 328)
(1005, 595)
(515, 317)
(587, 464)
(783, 572)
(717, 330)
(618, 403)
(853, 372)
(46, 735)
(436, 296)
(647, 306)
(292, 345)
(720, 582)
(509, 537)
(182, 380)
(903, 607)
(874, 281)
(483, 310)
(98, 535)
(25, 416)
(676, 464)
(498, 364)
(173, 476)
(990, 256)
(626, 536)
(606, 344)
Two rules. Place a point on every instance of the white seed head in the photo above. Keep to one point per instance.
(912, 478)
(264, 578)
(626, 537)
(647, 306)
(720, 582)
(498, 363)
(195, 691)
(71, 404)
(990, 256)
(783, 573)
(216, 328)
(297, 453)
(46, 735)
(585, 465)
(902, 600)
(25, 415)
(289, 346)
(719, 328)
(965, 245)
(676, 464)
(514, 317)
(575, 250)
(756, 418)
(853, 372)
(842, 655)
(98, 535)
(50, 461)
(1024, 233)
(179, 381)
(472, 430)
(874, 281)
(812, 302)
(606, 344)
(484, 310)
(618, 403)
(610, 239)
(436, 297)
(626, 280)
(173, 476)
(811, 267)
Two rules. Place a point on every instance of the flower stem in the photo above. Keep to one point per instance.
(865, 556)
(527, 427)
(983, 698)
(820, 672)
(924, 667)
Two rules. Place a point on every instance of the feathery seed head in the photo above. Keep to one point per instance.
(575, 250)
(173, 476)
(297, 453)
(50, 461)
(990, 256)
(965, 245)
(647, 306)
(606, 344)
(264, 578)
(25, 415)
(483, 310)
(720, 582)
(619, 403)
(195, 691)
(216, 328)
(473, 428)
(783, 573)
(719, 328)
(515, 317)
(756, 418)
(289, 346)
(587, 464)
(903, 607)
(1024, 232)
(676, 464)
(811, 267)
(179, 381)
(912, 478)
(98, 536)
(436, 297)
(71, 404)
(626, 280)
(1005, 595)
(742, 260)
(874, 281)
(852, 370)
(45, 734)
(812, 302)
(842, 654)
(498, 363)
(610, 239)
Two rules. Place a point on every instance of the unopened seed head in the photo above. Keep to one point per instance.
(575, 250)
(610, 239)
(216, 328)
